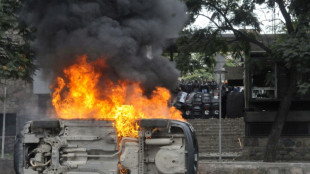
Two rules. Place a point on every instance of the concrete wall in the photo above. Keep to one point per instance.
(207, 131)
(244, 148)
(289, 149)
(9, 146)
(20, 99)
(22, 103)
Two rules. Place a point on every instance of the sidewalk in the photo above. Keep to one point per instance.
(6, 166)
(206, 167)
(245, 167)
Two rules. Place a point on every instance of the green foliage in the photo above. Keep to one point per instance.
(304, 88)
(194, 7)
(230, 16)
(295, 52)
(189, 62)
(300, 8)
(231, 62)
(16, 56)
(227, 16)
(7, 18)
(199, 74)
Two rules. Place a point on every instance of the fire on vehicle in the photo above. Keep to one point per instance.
(115, 130)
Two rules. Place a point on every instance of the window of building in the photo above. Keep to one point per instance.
(10, 124)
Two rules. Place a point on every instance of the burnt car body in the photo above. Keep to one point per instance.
(92, 147)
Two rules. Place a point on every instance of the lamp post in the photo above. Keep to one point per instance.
(220, 72)
(3, 122)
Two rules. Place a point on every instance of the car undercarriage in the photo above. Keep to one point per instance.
(93, 147)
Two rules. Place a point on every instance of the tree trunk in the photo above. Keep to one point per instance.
(278, 124)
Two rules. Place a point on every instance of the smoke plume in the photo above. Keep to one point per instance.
(118, 30)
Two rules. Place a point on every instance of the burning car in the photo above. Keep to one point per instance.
(109, 128)
(86, 146)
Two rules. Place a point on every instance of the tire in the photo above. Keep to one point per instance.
(18, 154)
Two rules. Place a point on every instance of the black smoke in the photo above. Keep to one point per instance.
(118, 30)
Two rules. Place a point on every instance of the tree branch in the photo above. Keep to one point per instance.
(254, 41)
(286, 15)
(237, 32)
(210, 19)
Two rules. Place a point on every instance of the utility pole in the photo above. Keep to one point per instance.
(3, 121)
(220, 72)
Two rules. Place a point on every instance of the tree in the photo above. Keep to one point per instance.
(16, 56)
(292, 49)
(200, 75)
(192, 54)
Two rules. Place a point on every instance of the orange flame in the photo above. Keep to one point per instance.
(80, 96)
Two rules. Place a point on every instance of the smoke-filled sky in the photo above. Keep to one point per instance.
(118, 30)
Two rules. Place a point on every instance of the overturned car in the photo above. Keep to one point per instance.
(86, 146)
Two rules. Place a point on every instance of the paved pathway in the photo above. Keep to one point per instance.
(206, 167)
